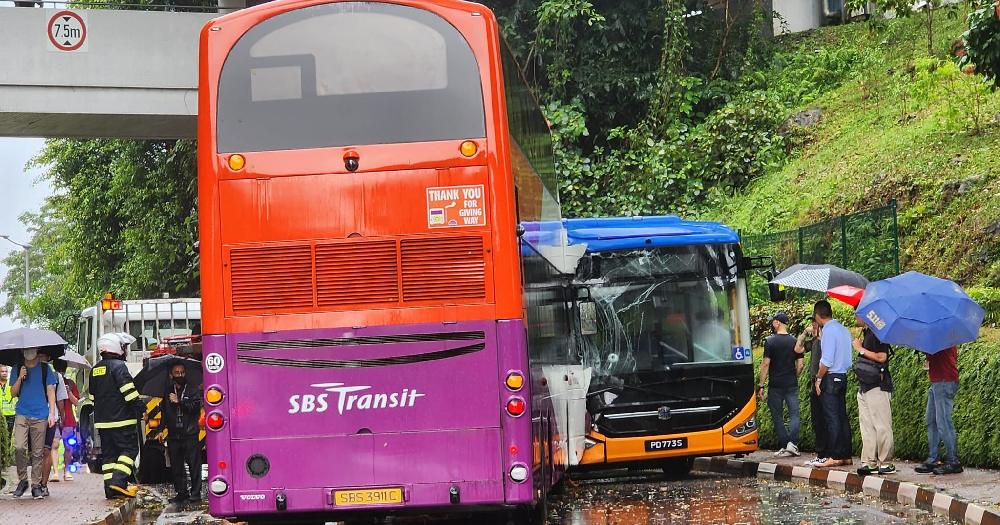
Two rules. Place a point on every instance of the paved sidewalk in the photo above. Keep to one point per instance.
(974, 485)
(76, 502)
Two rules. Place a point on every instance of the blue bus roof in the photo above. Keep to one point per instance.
(621, 233)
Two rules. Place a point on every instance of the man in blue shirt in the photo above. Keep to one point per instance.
(831, 384)
(35, 390)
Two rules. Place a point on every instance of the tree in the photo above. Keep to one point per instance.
(982, 41)
(50, 300)
(123, 219)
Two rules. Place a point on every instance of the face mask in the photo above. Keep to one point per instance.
(180, 380)
(30, 354)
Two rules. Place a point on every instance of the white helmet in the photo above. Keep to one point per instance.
(126, 338)
(110, 344)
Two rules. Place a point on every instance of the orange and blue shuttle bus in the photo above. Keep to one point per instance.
(664, 336)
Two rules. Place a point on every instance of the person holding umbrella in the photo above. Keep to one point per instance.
(117, 408)
(942, 370)
(35, 390)
(933, 316)
(181, 410)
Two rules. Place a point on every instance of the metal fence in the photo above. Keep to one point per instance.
(866, 242)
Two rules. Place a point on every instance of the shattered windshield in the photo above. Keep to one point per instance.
(659, 307)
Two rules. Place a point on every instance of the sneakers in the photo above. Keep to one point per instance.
(45, 491)
(21, 488)
(867, 470)
(194, 499)
(949, 468)
(781, 452)
(886, 469)
(792, 449)
(36, 492)
(830, 462)
(817, 461)
(925, 468)
(180, 498)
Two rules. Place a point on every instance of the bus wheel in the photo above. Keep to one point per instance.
(678, 468)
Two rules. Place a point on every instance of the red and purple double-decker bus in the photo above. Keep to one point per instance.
(367, 312)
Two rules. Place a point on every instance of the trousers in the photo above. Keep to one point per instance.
(185, 451)
(119, 449)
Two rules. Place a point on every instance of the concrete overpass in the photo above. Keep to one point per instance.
(102, 74)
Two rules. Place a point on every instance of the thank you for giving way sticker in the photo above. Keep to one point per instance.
(456, 206)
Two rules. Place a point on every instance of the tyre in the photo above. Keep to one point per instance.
(677, 468)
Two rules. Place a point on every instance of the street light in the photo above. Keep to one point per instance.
(27, 282)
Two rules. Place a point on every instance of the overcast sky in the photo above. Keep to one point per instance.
(20, 191)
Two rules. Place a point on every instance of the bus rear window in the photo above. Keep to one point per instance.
(348, 73)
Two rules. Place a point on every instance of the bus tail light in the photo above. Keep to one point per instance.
(215, 421)
(515, 407)
(745, 427)
(218, 486)
(213, 396)
(519, 473)
(515, 381)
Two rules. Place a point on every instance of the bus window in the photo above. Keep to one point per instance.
(349, 73)
(660, 307)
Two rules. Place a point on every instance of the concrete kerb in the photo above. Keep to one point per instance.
(120, 515)
(908, 493)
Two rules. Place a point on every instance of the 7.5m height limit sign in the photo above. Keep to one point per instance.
(67, 30)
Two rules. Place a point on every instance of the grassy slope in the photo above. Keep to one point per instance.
(877, 141)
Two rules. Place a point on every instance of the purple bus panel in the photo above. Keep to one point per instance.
(411, 407)
(517, 441)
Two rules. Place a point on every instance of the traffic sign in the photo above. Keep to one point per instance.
(67, 31)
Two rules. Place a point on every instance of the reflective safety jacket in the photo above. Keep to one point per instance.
(116, 401)
(9, 404)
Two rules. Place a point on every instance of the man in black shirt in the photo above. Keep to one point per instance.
(874, 411)
(181, 409)
(783, 364)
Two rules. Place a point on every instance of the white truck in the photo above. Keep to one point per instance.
(157, 325)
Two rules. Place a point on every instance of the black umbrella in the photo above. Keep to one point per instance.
(154, 379)
(819, 277)
(13, 341)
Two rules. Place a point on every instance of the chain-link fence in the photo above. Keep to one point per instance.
(866, 242)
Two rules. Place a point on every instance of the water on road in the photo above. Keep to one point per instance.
(649, 499)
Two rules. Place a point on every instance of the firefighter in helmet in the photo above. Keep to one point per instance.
(117, 409)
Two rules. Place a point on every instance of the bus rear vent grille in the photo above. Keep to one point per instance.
(271, 277)
(443, 268)
(357, 272)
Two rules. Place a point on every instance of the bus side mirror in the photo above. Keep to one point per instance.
(588, 317)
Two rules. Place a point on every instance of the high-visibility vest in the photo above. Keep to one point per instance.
(9, 404)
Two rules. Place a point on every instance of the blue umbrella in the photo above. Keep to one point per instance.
(920, 312)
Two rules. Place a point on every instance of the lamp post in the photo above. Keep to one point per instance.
(27, 281)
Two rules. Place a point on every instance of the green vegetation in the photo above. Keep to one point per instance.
(899, 125)
(123, 219)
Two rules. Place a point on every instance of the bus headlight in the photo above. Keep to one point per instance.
(746, 427)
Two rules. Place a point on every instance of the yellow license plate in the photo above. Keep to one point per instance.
(393, 496)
